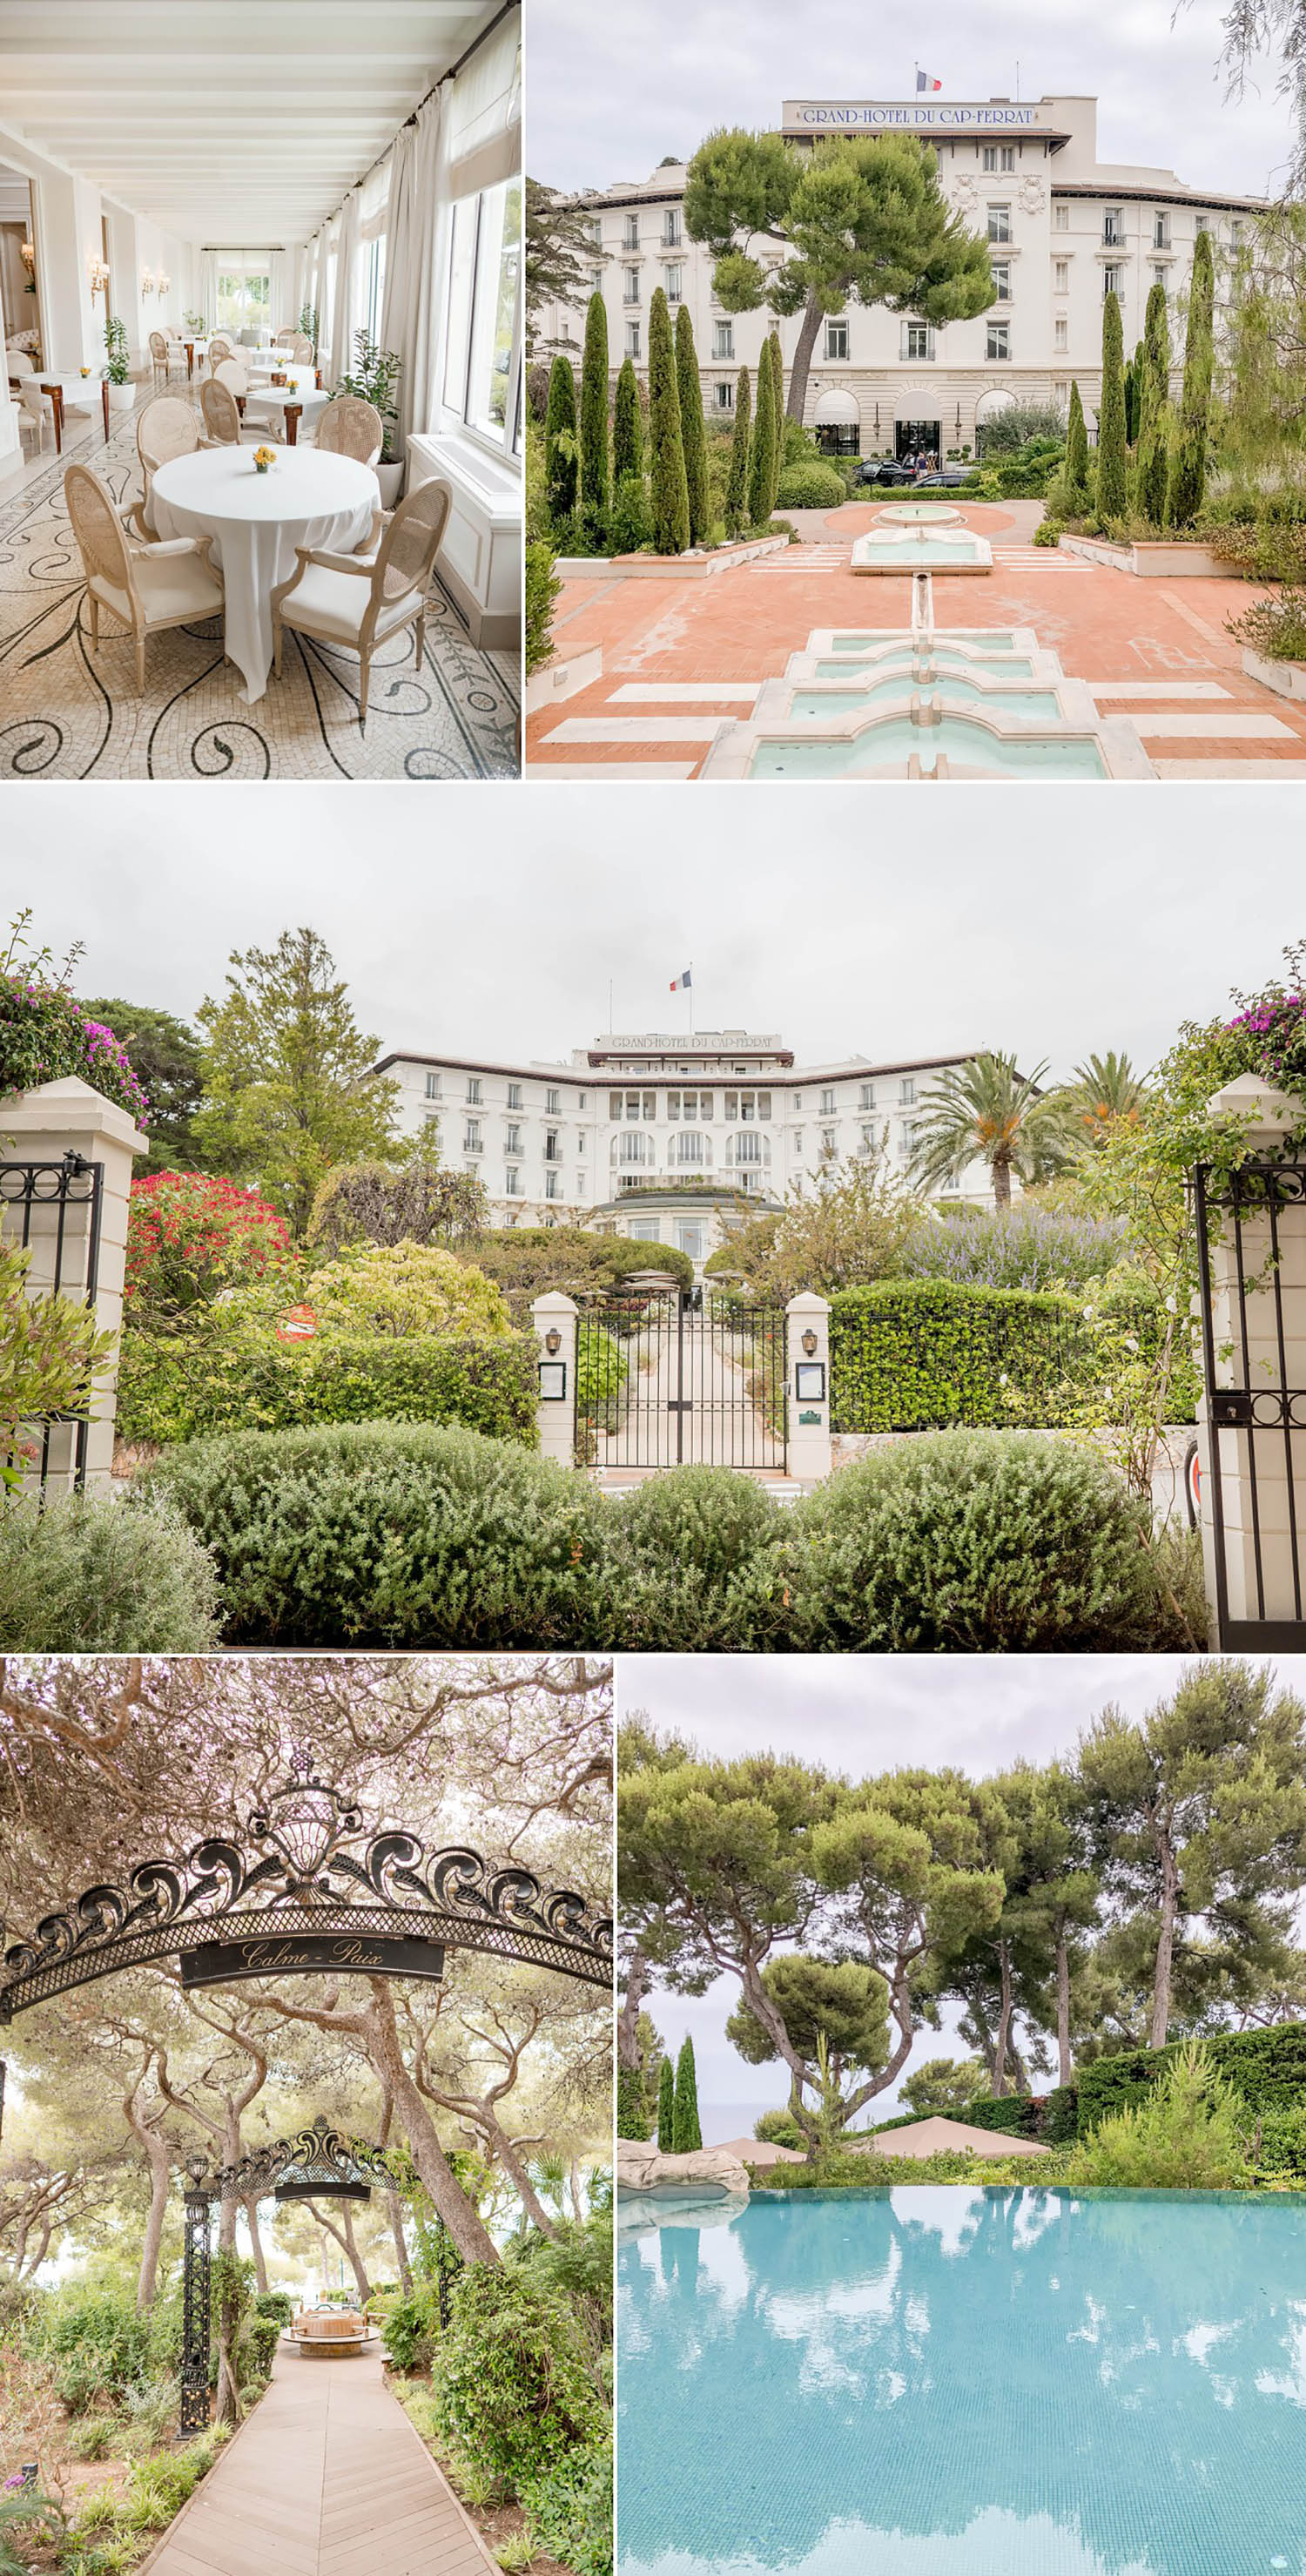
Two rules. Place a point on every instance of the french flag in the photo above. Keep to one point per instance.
(926, 80)
(683, 982)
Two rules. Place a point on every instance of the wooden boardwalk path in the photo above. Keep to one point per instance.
(327, 2478)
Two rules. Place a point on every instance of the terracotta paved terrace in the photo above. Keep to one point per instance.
(680, 655)
(327, 2478)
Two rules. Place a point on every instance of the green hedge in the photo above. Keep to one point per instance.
(1267, 2067)
(1017, 2115)
(391, 1534)
(931, 1354)
(185, 1386)
(811, 485)
(1060, 2116)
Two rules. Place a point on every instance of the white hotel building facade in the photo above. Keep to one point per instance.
(1062, 227)
(657, 1136)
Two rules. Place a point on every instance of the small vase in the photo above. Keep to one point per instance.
(258, 468)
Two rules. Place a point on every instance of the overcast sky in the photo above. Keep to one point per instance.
(887, 922)
(853, 1715)
(611, 92)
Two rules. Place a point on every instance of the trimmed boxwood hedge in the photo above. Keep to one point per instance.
(183, 1386)
(931, 1354)
(1267, 2067)
(391, 1534)
(422, 1535)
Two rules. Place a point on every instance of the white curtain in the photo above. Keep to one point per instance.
(484, 113)
(206, 293)
(416, 251)
(346, 261)
(278, 287)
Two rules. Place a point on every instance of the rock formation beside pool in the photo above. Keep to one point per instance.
(710, 2172)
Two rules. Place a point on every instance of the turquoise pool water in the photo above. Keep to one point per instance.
(950, 686)
(1004, 664)
(996, 642)
(896, 738)
(923, 553)
(944, 2382)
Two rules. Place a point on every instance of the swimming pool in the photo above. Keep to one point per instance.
(947, 2382)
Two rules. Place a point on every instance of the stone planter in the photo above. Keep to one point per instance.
(1152, 559)
(563, 677)
(122, 397)
(1287, 679)
(391, 480)
(694, 566)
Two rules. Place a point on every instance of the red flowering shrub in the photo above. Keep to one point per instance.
(188, 1237)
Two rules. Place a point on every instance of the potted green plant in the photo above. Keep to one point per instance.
(308, 324)
(122, 392)
(374, 377)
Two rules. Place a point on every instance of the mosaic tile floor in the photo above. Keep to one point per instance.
(65, 715)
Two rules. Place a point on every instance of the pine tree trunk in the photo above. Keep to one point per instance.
(1004, 2023)
(446, 2194)
(1165, 1945)
(396, 2209)
(160, 2164)
(256, 2247)
(813, 317)
(1065, 2064)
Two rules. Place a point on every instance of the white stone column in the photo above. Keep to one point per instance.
(808, 1347)
(554, 1317)
(42, 1126)
(1262, 1116)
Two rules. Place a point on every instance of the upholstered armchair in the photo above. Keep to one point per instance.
(163, 352)
(300, 347)
(147, 588)
(222, 414)
(361, 601)
(219, 348)
(167, 427)
(351, 427)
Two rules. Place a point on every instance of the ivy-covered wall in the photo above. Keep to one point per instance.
(932, 1354)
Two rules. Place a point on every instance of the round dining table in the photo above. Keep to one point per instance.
(256, 522)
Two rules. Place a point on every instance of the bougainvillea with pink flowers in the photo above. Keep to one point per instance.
(189, 1236)
(45, 1036)
(1274, 1030)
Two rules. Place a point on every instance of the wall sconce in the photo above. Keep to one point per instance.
(147, 281)
(98, 272)
(553, 1341)
(809, 1342)
(163, 283)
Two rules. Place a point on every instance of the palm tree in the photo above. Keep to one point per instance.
(1106, 1087)
(986, 1110)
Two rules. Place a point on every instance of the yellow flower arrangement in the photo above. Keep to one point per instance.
(263, 457)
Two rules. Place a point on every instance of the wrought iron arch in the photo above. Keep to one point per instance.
(316, 2163)
(298, 1900)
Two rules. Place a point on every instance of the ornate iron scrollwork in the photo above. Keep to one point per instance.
(301, 1883)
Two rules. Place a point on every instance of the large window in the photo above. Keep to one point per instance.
(244, 298)
(482, 376)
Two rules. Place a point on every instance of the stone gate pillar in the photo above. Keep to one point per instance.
(554, 1317)
(1252, 1410)
(808, 1352)
(76, 1243)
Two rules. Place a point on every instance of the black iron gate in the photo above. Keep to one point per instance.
(54, 1210)
(681, 1377)
(1255, 1383)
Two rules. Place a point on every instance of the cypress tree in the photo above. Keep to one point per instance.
(666, 2109)
(1111, 493)
(692, 432)
(1076, 444)
(762, 476)
(670, 491)
(560, 459)
(1153, 471)
(595, 481)
(1187, 486)
(737, 478)
(688, 2135)
(778, 389)
(632, 2121)
(627, 426)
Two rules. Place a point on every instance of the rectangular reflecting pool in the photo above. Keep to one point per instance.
(953, 2382)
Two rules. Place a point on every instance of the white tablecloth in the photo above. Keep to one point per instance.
(257, 520)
